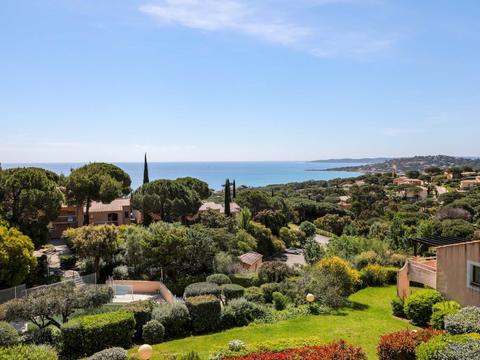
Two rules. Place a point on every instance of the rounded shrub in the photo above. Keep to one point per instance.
(240, 312)
(440, 311)
(401, 345)
(274, 271)
(450, 347)
(153, 332)
(115, 353)
(374, 275)
(28, 352)
(8, 334)
(364, 258)
(142, 311)
(232, 291)
(280, 301)
(418, 306)
(174, 317)
(219, 279)
(47, 336)
(397, 307)
(255, 294)
(202, 288)
(268, 289)
(466, 320)
(205, 313)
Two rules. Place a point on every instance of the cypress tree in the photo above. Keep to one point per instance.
(234, 190)
(145, 171)
(227, 197)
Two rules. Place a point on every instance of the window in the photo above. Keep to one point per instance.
(475, 275)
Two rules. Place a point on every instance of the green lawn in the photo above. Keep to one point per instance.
(361, 325)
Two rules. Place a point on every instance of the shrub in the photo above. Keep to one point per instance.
(85, 335)
(219, 279)
(8, 334)
(418, 306)
(236, 345)
(174, 317)
(240, 312)
(190, 356)
(245, 279)
(202, 288)
(47, 336)
(346, 277)
(28, 352)
(397, 307)
(401, 345)
(232, 291)
(364, 258)
(450, 347)
(308, 228)
(142, 311)
(153, 332)
(274, 271)
(374, 275)
(254, 294)
(280, 301)
(392, 273)
(268, 289)
(67, 262)
(205, 312)
(115, 353)
(440, 311)
(466, 320)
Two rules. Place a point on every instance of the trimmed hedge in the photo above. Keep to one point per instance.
(232, 291)
(280, 301)
(401, 345)
(418, 306)
(153, 332)
(142, 311)
(8, 334)
(86, 335)
(115, 353)
(254, 294)
(28, 352)
(440, 311)
(240, 312)
(450, 347)
(202, 288)
(268, 290)
(245, 279)
(219, 279)
(466, 320)
(397, 307)
(174, 317)
(205, 312)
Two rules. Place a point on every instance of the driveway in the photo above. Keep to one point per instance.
(321, 239)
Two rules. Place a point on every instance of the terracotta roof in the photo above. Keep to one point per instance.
(115, 206)
(210, 205)
(250, 258)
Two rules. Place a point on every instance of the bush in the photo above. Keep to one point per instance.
(246, 279)
(115, 353)
(86, 335)
(240, 312)
(8, 334)
(153, 332)
(174, 317)
(67, 262)
(44, 336)
(232, 291)
(392, 273)
(364, 258)
(205, 312)
(374, 275)
(440, 311)
(28, 352)
(280, 301)
(219, 279)
(346, 277)
(274, 271)
(418, 306)
(397, 307)
(450, 347)
(190, 356)
(466, 320)
(401, 345)
(308, 228)
(254, 294)
(142, 311)
(202, 288)
(268, 289)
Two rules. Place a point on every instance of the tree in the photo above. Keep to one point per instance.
(234, 189)
(255, 200)
(29, 200)
(368, 201)
(16, 256)
(227, 198)
(333, 223)
(396, 234)
(146, 180)
(95, 242)
(313, 251)
(199, 186)
(413, 174)
(244, 218)
(272, 219)
(171, 200)
(134, 248)
(308, 228)
(96, 182)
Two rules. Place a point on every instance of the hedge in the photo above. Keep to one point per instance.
(86, 335)
(142, 311)
(401, 345)
(67, 262)
(254, 294)
(466, 320)
(418, 306)
(397, 307)
(450, 347)
(374, 275)
(219, 279)
(245, 279)
(153, 332)
(240, 312)
(8, 334)
(268, 290)
(232, 291)
(440, 311)
(28, 352)
(280, 301)
(202, 288)
(174, 317)
(115, 353)
(205, 312)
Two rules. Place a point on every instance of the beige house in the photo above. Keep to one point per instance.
(454, 272)
(470, 184)
(403, 180)
(343, 202)
(414, 192)
(209, 205)
(251, 261)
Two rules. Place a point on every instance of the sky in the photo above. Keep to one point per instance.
(232, 80)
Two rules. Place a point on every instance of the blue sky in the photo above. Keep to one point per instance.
(192, 80)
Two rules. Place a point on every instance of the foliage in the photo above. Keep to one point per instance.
(174, 317)
(142, 312)
(30, 199)
(457, 228)
(292, 237)
(199, 186)
(272, 219)
(448, 347)
(466, 320)
(67, 262)
(226, 263)
(397, 307)
(341, 270)
(313, 251)
(245, 241)
(86, 335)
(440, 311)
(348, 247)
(28, 352)
(418, 306)
(333, 223)
(219, 279)
(374, 275)
(153, 332)
(115, 353)
(241, 312)
(254, 200)
(274, 271)
(205, 312)
(401, 345)
(280, 301)
(254, 294)
(8, 334)
(246, 279)
(16, 256)
(202, 288)
(232, 291)
(268, 290)
(46, 336)
(308, 228)
(267, 244)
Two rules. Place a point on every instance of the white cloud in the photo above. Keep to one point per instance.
(401, 131)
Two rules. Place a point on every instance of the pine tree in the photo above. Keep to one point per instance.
(234, 189)
(145, 171)
(227, 197)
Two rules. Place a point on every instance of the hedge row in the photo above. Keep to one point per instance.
(205, 313)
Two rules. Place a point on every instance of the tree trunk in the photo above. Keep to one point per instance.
(97, 267)
(86, 218)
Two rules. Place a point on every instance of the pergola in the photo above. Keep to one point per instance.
(436, 242)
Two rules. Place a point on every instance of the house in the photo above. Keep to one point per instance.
(68, 217)
(403, 180)
(343, 202)
(454, 271)
(209, 205)
(470, 183)
(414, 193)
(251, 261)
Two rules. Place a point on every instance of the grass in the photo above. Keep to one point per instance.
(362, 325)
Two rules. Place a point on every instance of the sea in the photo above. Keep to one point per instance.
(248, 173)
